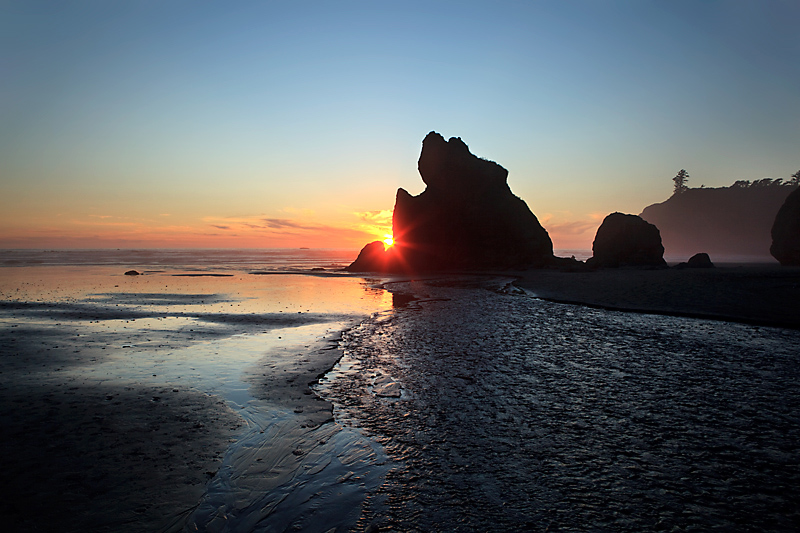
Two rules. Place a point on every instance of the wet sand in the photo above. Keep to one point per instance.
(112, 392)
(757, 294)
(517, 414)
(105, 459)
(93, 452)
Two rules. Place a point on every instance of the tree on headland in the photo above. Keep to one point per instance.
(795, 179)
(680, 181)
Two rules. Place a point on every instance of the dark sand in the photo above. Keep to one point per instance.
(104, 459)
(756, 294)
(525, 415)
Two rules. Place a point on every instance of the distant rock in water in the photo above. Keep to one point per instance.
(466, 218)
(724, 221)
(786, 232)
(701, 260)
(626, 240)
(131, 273)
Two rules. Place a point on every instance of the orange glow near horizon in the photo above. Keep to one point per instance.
(343, 237)
(280, 229)
(284, 228)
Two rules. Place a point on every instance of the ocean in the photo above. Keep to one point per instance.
(459, 403)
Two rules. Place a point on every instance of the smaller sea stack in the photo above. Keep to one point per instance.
(626, 241)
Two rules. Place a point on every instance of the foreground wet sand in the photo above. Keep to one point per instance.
(106, 459)
(121, 398)
(518, 414)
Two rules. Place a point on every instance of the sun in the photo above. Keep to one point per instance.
(388, 242)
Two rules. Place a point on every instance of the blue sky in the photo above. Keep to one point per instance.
(161, 123)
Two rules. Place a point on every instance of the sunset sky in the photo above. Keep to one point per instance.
(285, 124)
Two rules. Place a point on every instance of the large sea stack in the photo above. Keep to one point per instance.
(786, 232)
(466, 218)
(626, 241)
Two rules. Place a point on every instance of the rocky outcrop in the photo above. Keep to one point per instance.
(701, 260)
(786, 232)
(373, 258)
(466, 218)
(626, 240)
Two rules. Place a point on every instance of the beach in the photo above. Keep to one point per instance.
(249, 396)
(123, 396)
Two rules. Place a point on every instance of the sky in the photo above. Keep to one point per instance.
(134, 124)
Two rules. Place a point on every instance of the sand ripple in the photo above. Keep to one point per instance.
(523, 414)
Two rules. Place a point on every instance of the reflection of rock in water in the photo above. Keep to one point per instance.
(518, 414)
(401, 299)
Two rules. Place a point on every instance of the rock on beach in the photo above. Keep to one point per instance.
(626, 240)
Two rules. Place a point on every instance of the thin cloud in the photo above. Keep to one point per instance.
(576, 227)
(267, 227)
(378, 216)
(282, 223)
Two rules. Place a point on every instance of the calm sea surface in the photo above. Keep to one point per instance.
(226, 259)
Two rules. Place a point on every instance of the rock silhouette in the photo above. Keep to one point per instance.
(786, 232)
(373, 258)
(466, 218)
(626, 240)
(701, 260)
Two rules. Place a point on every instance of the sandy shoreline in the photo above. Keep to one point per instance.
(756, 294)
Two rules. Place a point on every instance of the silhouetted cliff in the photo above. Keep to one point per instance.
(724, 221)
(786, 232)
(467, 218)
